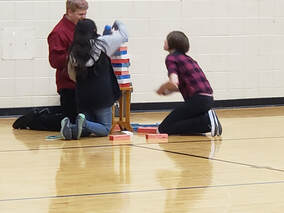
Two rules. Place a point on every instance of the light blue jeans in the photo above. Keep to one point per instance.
(98, 121)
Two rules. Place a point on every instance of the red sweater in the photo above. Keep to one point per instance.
(59, 41)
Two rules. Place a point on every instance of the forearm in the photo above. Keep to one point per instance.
(112, 42)
(58, 59)
(58, 52)
(167, 88)
(174, 82)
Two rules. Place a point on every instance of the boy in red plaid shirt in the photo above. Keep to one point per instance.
(195, 115)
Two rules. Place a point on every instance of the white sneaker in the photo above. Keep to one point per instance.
(219, 126)
(213, 123)
(80, 121)
(65, 131)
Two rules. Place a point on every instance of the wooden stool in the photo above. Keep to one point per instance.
(124, 110)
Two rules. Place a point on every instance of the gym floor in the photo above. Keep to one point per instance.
(241, 171)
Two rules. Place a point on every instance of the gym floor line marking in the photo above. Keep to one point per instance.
(214, 159)
(63, 148)
(130, 144)
(138, 191)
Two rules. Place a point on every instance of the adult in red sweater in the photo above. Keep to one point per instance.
(59, 41)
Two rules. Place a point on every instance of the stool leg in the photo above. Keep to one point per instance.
(121, 106)
(127, 110)
(127, 107)
(113, 114)
(124, 111)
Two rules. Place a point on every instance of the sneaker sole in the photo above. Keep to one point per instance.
(79, 124)
(64, 123)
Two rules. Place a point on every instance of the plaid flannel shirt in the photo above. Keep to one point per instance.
(192, 80)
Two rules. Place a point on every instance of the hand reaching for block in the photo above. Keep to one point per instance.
(167, 88)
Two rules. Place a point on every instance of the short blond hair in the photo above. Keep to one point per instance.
(74, 5)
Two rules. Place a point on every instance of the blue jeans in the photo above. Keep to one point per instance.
(98, 121)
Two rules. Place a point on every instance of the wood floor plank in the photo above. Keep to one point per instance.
(242, 171)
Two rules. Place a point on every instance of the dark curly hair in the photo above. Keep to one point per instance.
(85, 31)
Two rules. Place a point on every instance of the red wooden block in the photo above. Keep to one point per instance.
(119, 137)
(157, 136)
(121, 68)
(152, 130)
(116, 128)
(121, 72)
(125, 85)
(122, 48)
(119, 61)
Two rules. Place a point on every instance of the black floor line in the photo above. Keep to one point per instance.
(110, 145)
(139, 191)
(214, 159)
(63, 148)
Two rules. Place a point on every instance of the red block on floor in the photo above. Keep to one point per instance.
(116, 128)
(157, 136)
(119, 137)
(152, 130)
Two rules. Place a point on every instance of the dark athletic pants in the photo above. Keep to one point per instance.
(68, 103)
(189, 118)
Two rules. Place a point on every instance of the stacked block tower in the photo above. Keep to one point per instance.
(120, 62)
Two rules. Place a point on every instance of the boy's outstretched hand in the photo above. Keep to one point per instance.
(167, 88)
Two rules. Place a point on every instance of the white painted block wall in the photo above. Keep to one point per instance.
(238, 43)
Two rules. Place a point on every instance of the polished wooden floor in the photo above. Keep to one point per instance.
(242, 171)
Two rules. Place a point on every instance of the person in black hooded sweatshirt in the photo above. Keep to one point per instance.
(97, 89)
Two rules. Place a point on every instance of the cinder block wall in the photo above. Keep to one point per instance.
(238, 43)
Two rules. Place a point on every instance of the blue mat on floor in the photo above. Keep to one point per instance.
(53, 137)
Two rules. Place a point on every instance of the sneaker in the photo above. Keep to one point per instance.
(213, 123)
(65, 130)
(219, 126)
(24, 121)
(80, 121)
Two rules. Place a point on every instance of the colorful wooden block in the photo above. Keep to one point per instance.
(124, 81)
(119, 137)
(116, 128)
(122, 48)
(128, 133)
(121, 65)
(121, 69)
(125, 85)
(120, 61)
(123, 76)
(152, 130)
(120, 55)
(157, 136)
(121, 72)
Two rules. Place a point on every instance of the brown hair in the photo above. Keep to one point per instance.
(74, 5)
(178, 41)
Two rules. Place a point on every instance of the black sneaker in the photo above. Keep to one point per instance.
(213, 123)
(23, 122)
(65, 130)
